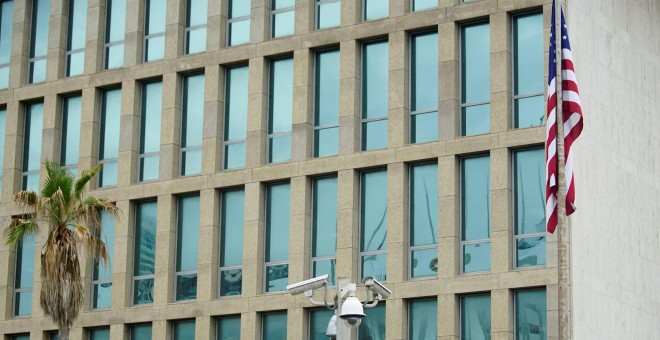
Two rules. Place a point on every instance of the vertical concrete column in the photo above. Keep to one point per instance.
(552, 300)
(250, 325)
(398, 118)
(20, 44)
(296, 322)
(89, 130)
(117, 332)
(160, 330)
(305, 16)
(399, 7)
(448, 317)
(302, 104)
(449, 73)
(216, 25)
(348, 205)
(349, 95)
(165, 250)
(207, 272)
(50, 142)
(257, 116)
(14, 130)
(501, 210)
(95, 39)
(350, 12)
(500, 72)
(122, 261)
(170, 133)
(396, 311)
(129, 132)
(57, 37)
(299, 232)
(397, 223)
(135, 19)
(203, 327)
(259, 21)
(449, 235)
(7, 260)
(213, 116)
(79, 333)
(253, 241)
(175, 25)
(501, 311)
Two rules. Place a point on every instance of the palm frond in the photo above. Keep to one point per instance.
(101, 204)
(18, 228)
(57, 178)
(28, 199)
(83, 178)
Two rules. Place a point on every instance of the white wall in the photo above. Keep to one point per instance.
(616, 230)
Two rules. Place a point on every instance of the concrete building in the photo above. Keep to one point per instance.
(252, 144)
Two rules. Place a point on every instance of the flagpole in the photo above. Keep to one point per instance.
(563, 233)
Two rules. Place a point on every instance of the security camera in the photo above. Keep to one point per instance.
(331, 331)
(377, 287)
(307, 285)
(352, 312)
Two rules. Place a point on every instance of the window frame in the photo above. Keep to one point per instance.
(312, 258)
(267, 264)
(176, 241)
(461, 309)
(102, 281)
(104, 161)
(363, 10)
(187, 29)
(68, 51)
(409, 303)
(515, 310)
(274, 13)
(317, 14)
(231, 21)
(17, 291)
(25, 173)
(361, 253)
(106, 44)
(221, 268)
(64, 114)
(173, 324)
(183, 150)
(316, 128)
(146, 37)
(224, 143)
(515, 97)
(271, 136)
(135, 278)
(412, 113)
(462, 242)
(386, 116)
(32, 59)
(141, 103)
(461, 80)
(434, 245)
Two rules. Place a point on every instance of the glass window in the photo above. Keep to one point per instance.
(6, 25)
(70, 140)
(144, 253)
(191, 125)
(149, 157)
(326, 104)
(528, 70)
(229, 328)
(475, 79)
(238, 22)
(54, 335)
(39, 41)
(328, 14)
(424, 88)
(531, 314)
(475, 317)
(420, 5)
(154, 30)
(196, 16)
(423, 220)
(277, 237)
(25, 251)
(373, 324)
(3, 126)
(324, 227)
(183, 330)
(318, 323)
(529, 209)
(282, 17)
(99, 333)
(115, 26)
(231, 242)
(102, 280)
(236, 106)
(76, 38)
(280, 110)
(109, 145)
(19, 337)
(374, 95)
(373, 224)
(273, 326)
(32, 146)
(423, 319)
(475, 214)
(140, 331)
(375, 9)
(187, 245)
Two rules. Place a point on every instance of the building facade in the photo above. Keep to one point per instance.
(252, 144)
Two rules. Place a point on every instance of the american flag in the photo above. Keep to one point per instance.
(572, 117)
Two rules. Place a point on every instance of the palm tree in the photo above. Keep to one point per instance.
(72, 219)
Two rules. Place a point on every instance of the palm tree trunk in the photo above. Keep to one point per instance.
(63, 334)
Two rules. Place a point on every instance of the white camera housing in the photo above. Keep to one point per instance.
(377, 288)
(352, 312)
(331, 331)
(307, 285)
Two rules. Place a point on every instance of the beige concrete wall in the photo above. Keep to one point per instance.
(615, 235)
